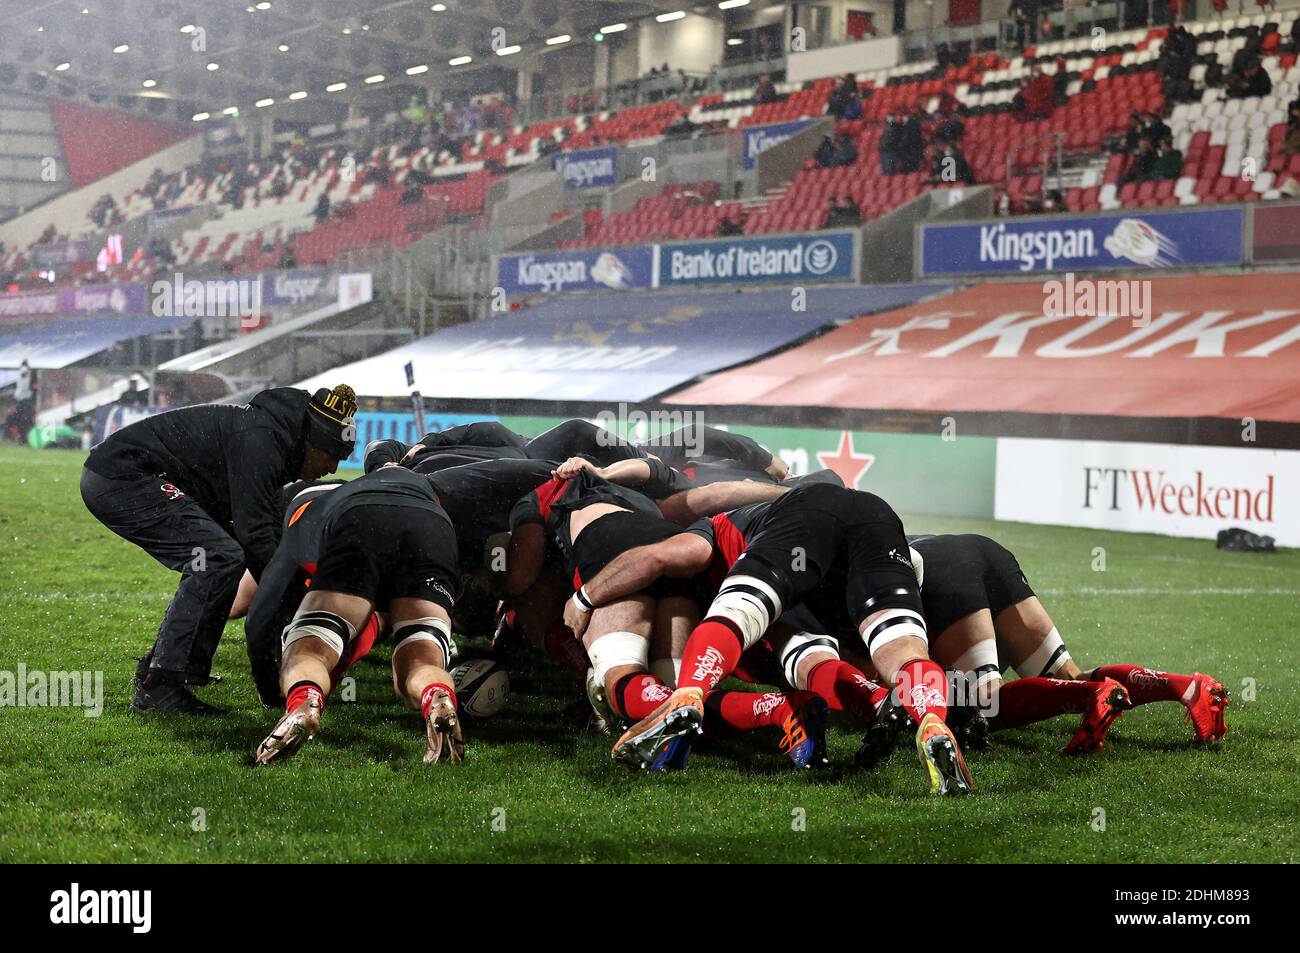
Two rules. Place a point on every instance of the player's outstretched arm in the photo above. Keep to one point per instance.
(630, 572)
(686, 507)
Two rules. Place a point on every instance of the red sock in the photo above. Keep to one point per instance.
(300, 692)
(922, 688)
(1027, 700)
(426, 696)
(1146, 685)
(746, 711)
(637, 695)
(565, 650)
(712, 653)
(845, 688)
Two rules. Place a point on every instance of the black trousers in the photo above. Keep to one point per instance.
(163, 521)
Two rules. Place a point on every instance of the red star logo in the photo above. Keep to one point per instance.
(849, 465)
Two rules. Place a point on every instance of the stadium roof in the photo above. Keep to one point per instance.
(213, 55)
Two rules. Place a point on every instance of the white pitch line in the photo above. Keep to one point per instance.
(1205, 591)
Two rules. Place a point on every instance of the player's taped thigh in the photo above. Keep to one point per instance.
(800, 646)
(900, 617)
(616, 650)
(1047, 659)
(747, 605)
(427, 629)
(334, 630)
(667, 670)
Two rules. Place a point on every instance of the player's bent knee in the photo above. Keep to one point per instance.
(333, 630)
(748, 604)
(1048, 659)
(892, 615)
(800, 648)
(616, 650)
(427, 629)
(983, 675)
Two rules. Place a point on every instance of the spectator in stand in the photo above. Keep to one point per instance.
(1002, 204)
(824, 154)
(322, 209)
(950, 127)
(889, 143)
(911, 147)
(411, 195)
(1142, 163)
(1024, 15)
(288, 258)
(845, 92)
(1295, 36)
(730, 226)
(842, 212)
(765, 92)
(1157, 130)
(1291, 144)
(1175, 65)
(1061, 82)
(1169, 161)
(845, 152)
(943, 57)
(682, 128)
(1133, 134)
(1037, 100)
(1053, 201)
(1250, 82)
(950, 165)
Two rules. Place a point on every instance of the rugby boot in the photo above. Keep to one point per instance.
(442, 731)
(1109, 701)
(1206, 708)
(155, 695)
(942, 757)
(643, 743)
(606, 719)
(969, 727)
(293, 730)
(892, 723)
(804, 741)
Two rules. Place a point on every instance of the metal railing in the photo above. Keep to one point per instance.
(1045, 157)
(442, 279)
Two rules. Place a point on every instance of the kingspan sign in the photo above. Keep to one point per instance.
(588, 168)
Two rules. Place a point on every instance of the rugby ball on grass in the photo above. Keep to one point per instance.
(482, 687)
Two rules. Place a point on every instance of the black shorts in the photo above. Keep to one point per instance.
(608, 537)
(840, 551)
(967, 573)
(383, 552)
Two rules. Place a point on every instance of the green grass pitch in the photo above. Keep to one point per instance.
(125, 788)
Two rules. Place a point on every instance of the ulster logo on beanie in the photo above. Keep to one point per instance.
(333, 425)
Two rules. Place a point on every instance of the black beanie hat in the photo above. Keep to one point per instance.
(332, 414)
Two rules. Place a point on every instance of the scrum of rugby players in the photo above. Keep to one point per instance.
(653, 572)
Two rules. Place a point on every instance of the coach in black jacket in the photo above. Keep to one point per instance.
(198, 489)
